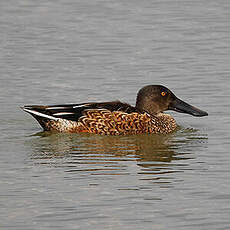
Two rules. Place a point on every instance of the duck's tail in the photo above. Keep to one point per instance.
(40, 114)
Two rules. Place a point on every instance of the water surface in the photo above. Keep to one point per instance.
(54, 52)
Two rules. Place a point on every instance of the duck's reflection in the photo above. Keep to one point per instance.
(151, 152)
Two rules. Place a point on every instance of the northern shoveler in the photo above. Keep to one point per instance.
(116, 118)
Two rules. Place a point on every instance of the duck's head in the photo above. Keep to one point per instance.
(155, 99)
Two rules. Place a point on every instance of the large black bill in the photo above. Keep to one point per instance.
(183, 107)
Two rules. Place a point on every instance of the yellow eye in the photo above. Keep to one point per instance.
(163, 93)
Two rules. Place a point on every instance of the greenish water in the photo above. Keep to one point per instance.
(54, 52)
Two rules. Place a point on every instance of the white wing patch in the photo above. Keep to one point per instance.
(62, 113)
(53, 108)
(79, 106)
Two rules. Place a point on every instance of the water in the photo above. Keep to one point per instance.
(54, 52)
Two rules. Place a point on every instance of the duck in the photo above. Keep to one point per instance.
(116, 117)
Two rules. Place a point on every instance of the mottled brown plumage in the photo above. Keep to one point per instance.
(116, 118)
(114, 123)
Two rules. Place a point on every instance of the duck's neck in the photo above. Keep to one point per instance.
(142, 105)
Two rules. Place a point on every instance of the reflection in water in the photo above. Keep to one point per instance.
(154, 154)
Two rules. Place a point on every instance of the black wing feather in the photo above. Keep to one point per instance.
(75, 111)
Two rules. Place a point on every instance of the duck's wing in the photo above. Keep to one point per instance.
(74, 111)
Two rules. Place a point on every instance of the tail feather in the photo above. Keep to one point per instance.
(33, 112)
(42, 118)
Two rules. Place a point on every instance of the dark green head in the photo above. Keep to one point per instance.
(156, 98)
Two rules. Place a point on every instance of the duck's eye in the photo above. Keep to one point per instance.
(163, 93)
